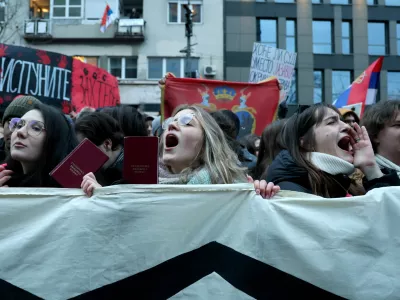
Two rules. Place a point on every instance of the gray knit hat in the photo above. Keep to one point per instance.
(19, 106)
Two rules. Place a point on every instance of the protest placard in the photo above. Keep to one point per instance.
(55, 79)
(44, 75)
(268, 61)
(93, 87)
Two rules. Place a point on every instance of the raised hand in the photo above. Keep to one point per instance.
(364, 156)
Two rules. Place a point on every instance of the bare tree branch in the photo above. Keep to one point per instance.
(11, 24)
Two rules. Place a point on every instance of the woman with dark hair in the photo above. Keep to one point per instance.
(131, 121)
(230, 125)
(322, 151)
(252, 143)
(270, 146)
(107, 135)
(40, 140)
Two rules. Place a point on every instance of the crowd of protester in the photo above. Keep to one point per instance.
(319, 150)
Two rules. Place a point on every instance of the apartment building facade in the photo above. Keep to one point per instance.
(146, 40)
(335, 41)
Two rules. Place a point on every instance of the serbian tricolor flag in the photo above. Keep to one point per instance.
(364, 89)
(254, 103)
(108, 18)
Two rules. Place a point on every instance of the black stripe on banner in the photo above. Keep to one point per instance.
(251, 276)
(11, 292)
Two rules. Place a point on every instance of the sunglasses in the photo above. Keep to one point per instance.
(34, 128)
(182, 120)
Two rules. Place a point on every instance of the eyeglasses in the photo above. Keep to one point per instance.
(34, 128)
(183, 120)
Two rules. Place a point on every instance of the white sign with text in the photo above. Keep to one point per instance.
(268, 61)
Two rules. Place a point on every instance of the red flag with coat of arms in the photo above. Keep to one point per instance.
(254, 103)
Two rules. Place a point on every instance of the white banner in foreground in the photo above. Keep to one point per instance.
(197, 242)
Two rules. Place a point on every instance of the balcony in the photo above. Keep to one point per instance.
(123, 30)
(80, 21)
(37, 30)
(130, 29)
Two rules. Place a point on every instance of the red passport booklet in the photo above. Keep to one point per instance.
(85, 158)
(141, 160)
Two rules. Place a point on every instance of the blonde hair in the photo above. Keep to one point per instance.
(215, 155)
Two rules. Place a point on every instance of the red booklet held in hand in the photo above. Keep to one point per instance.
(85, 158)
(141, 160)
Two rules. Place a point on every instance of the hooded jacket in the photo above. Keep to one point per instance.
(113, 174)
(289, 176)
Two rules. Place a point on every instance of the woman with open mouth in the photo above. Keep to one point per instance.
(322, 151)
(194, 151)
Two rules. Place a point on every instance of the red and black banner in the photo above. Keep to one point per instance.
(54, 79)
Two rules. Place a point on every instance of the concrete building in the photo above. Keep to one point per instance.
(139, 48)
(335, 41)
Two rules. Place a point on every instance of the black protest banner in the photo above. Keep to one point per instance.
(42, 74)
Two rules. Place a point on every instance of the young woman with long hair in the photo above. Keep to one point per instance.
(193, 150)
(196, 151)
(40, 140)
(322, 151)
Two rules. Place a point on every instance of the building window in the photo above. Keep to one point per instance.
(322, 37)
(267, 32)
(316, 1)
(67, 8)
(392, 3)
(123, 67)
(176, 12)
(346, 38)
(340, 1)
(292, 96)
(376, 38)
(372, 2)
(91, 60)
(393, 85)
(291, 35)
(398, 38)
(318, 86)
(41, 11)
(341, 80)
(158, 66)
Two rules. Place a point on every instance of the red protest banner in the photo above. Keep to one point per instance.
(92, 86)
(254, 103)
